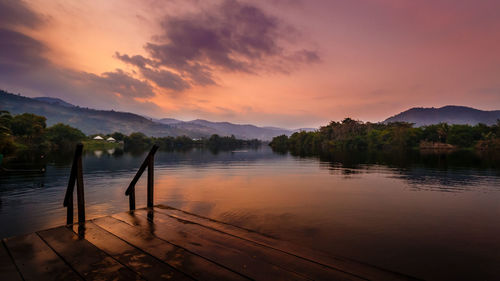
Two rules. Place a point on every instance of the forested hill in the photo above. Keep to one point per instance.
(447, 114)
(89, 121)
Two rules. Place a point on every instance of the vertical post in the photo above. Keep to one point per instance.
(131, 199)
(79, 190)
(151, 163)
(148, 163)
(69, 209)
(76, 175)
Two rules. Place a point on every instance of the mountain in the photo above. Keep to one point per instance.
(92, 121)
(246, 131)
(450, 114)
(55, 101)
(89, 121)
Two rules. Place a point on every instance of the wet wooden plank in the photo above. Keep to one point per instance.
(256, 261)
(235, 259)
(143, 237)
(360, 269)
(145, 265)
(37, 261)
(84, 257)
(8, 270)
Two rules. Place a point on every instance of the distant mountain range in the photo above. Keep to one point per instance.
(448, 114)
(225, 128)
(91, 121)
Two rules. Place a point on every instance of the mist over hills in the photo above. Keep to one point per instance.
(92, 121)
(450, 114)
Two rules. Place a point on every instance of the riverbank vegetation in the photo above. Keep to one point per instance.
(29, 132)
(350, 134)
(214, 142)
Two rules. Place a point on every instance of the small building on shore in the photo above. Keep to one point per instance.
(98, 138)
(110, 139)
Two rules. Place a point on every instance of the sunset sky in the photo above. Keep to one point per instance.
(280, 63)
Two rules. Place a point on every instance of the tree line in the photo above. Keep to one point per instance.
(351, 134)
(29, 132)
(214, 142)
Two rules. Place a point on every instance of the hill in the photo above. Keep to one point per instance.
(91, 121)
(246, 131)
(54, 101)
(448, 114)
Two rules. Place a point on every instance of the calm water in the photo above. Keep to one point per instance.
(435, 217)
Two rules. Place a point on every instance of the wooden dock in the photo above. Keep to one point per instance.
(163, 243)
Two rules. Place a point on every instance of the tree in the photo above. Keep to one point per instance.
(29, 129)
(7, 144)
(28, 126)
(63, 136)
(136, 141)
(280, 143)
(118, 136)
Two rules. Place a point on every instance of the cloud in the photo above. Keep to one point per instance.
(119, 82)
(16, 13)
(229, 37)
(305, 56)
(24, 67)
(162, 78)
(22, 62)
(19, 52)
(165, 79)
(136, 60)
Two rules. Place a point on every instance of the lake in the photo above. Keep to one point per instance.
(435, 217)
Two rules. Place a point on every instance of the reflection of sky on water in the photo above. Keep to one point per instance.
(378, 210)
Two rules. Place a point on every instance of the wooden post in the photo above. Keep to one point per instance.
(69, 210)
(131, 200)
(76, 175)
(151, 163)
(80, 191)
(148, 163)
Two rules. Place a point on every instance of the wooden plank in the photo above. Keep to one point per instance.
(142, 236)
(256, 261)
(360, 269)
(84, 257)
(37, 261)
(147, 266)
(8, 270)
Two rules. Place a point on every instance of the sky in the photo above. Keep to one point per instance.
(285, 63)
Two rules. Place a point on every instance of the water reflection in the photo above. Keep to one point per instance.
(392, 210)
